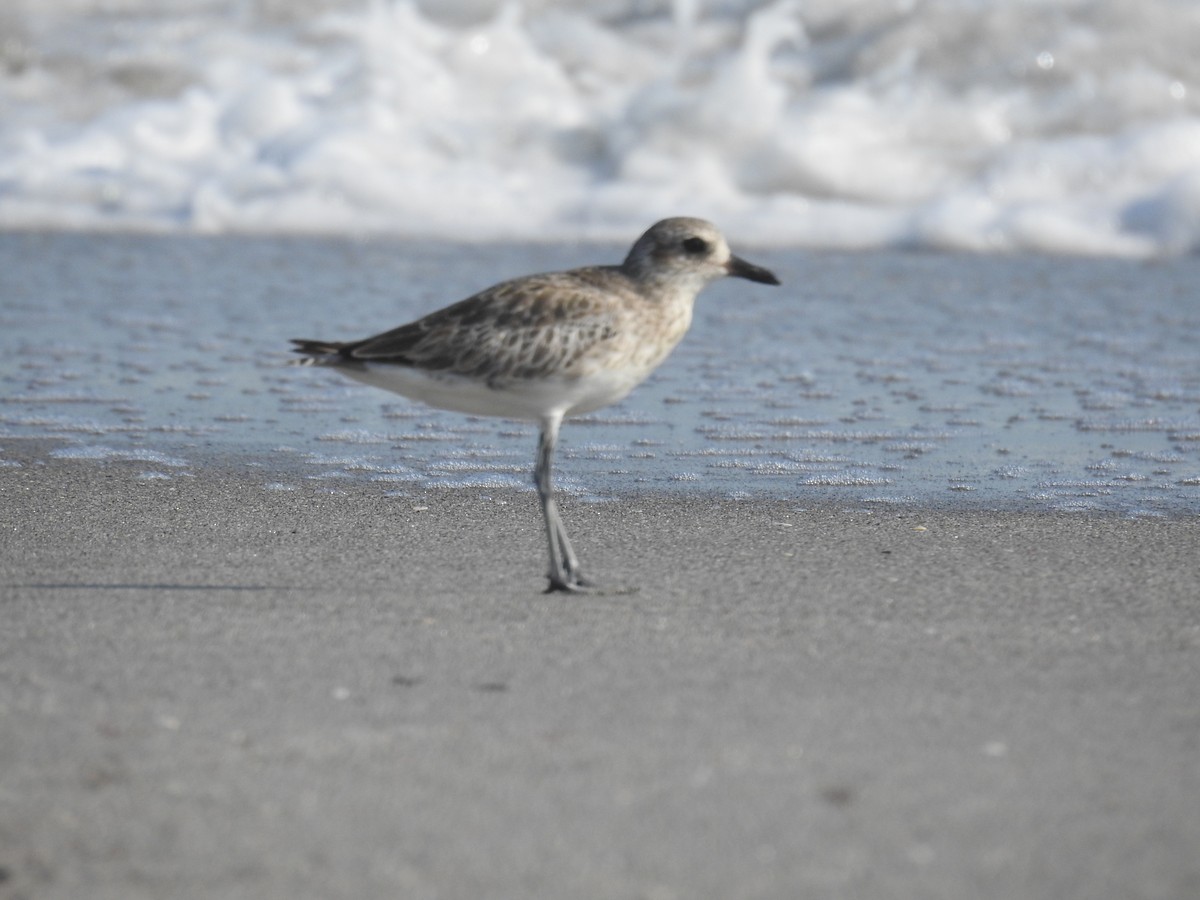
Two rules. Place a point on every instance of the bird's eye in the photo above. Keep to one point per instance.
(695, 246)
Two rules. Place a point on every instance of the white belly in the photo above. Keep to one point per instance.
(530, 400)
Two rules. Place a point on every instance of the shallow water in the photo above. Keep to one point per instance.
(887, 378)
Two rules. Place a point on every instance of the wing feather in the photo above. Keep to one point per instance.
(525, 328)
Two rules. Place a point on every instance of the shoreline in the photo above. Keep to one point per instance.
(981, 381)
(263, 471)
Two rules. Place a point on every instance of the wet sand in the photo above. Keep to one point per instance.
(211, 689)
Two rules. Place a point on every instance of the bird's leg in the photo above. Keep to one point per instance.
(564, 564)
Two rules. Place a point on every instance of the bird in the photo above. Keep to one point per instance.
(542, 348)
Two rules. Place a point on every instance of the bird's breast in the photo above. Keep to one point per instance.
(641, 342)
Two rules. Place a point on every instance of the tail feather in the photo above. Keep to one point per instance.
(316, 352)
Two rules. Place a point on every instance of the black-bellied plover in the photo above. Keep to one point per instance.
(544, 347)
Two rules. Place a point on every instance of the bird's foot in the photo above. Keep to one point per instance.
(576, 584)
(571, 582)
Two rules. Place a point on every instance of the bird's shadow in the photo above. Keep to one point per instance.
(131, 586)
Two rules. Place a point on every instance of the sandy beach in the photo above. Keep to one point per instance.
(216, 690)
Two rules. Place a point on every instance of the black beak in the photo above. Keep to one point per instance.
(739, 268)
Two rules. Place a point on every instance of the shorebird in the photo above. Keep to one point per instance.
(545, 347)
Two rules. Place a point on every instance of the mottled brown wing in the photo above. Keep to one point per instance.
(526, 328)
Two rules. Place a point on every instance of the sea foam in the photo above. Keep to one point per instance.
(966, 124)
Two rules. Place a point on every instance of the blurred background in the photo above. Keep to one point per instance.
(1052, 125)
